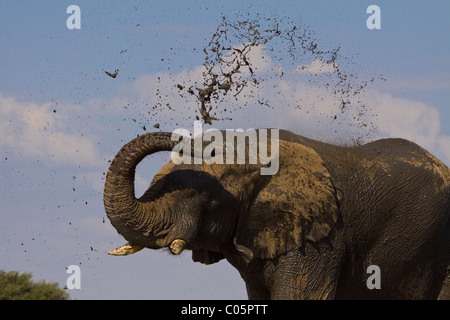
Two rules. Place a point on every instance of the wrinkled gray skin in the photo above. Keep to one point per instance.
(308, 232)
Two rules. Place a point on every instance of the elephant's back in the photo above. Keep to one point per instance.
(407, 154)
(382, 157)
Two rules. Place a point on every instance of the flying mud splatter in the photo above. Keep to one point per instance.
(229, 68)
(113, 75)
(259, 66)
(226, 62)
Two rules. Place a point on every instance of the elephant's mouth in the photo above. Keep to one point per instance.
(176, 247)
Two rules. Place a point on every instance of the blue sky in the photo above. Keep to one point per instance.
(62, 118)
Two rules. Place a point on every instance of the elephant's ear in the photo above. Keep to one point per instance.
(298, 204)
(206, 256)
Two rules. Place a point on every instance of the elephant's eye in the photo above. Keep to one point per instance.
(214, 205)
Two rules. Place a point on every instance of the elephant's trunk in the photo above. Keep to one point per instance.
(134, 220)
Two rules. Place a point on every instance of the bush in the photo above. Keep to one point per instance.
(15, 286)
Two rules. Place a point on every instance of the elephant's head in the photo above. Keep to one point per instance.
(217, 207)
(180, 209)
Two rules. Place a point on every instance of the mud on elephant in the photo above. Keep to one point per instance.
(308, 232)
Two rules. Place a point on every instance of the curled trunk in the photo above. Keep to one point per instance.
(135, 220)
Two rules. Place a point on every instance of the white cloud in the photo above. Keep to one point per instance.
(317, 66)
(43, 131)
(412, 120)
(404, 118)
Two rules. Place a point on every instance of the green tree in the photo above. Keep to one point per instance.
(15, 286)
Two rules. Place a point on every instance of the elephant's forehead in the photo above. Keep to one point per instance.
(171, 167)
(289, 153)
(166, 169)
(301, 157)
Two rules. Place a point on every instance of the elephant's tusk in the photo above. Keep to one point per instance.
(177, 246)
(125, 250)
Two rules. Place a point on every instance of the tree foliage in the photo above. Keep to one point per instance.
(15, 286)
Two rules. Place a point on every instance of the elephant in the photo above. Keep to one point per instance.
(314, 230)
